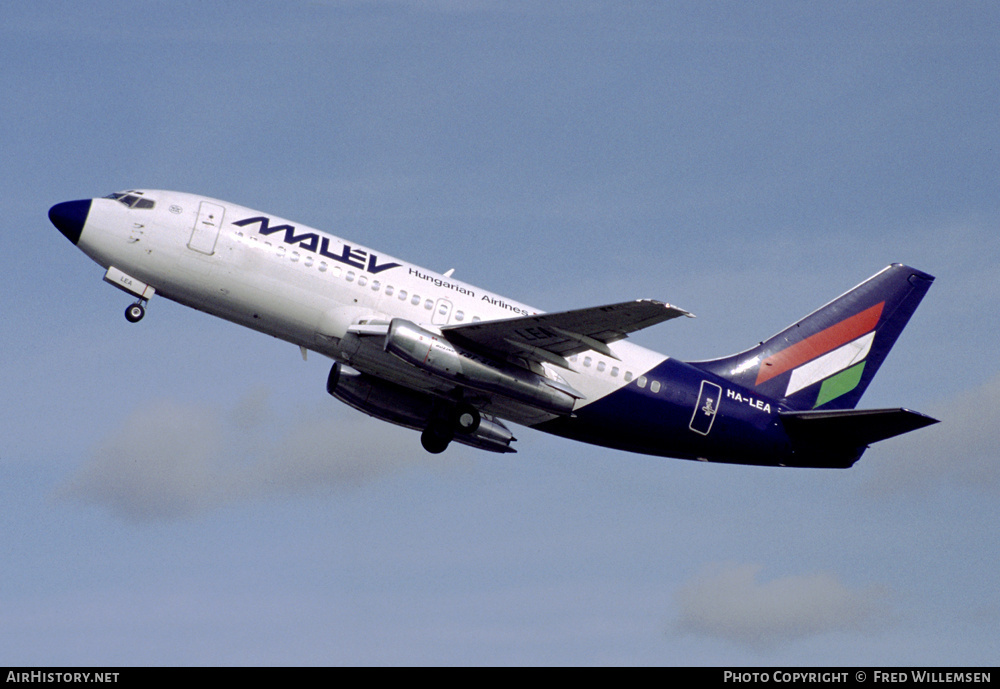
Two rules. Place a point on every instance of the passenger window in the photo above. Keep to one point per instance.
(337, 271)
(628, 376)
(295, 257)
(459, 316)
(362, 281)
(614, 371)
(476, 318)
(586, 361)
(322, 266)
(308, 262)
(415, 300)
(655, 386)
(389, 290)
(402, 295)
(429, 304)
(600, 366)
(641, 382)
(350, 276)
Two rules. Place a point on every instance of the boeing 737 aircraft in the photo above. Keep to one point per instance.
(427, 351)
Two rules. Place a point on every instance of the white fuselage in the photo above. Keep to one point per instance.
(309, 288)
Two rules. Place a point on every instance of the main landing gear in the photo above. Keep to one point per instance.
(466, 419)
(436, 437)
(441, 430)
(135, 312)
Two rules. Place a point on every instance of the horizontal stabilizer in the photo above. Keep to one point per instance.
(837, 437)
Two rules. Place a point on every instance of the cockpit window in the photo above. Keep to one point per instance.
(132, 199)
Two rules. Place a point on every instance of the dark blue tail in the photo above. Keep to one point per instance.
(827, 360)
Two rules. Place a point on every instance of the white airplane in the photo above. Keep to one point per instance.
(427, 351)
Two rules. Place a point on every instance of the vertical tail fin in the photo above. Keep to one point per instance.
(827, 359)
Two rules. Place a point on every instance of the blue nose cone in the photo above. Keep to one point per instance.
(69, 218)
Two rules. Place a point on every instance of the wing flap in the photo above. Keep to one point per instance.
(552, 337)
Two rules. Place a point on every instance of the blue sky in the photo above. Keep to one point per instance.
(184, 492)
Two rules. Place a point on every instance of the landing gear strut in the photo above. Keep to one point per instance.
(135, 312)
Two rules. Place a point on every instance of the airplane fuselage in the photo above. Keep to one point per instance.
(338, 298)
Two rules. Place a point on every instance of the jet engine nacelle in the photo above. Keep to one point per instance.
(409, 408)
(434, 354)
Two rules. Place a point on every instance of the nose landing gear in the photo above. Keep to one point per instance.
(135, 287)
(135, 312)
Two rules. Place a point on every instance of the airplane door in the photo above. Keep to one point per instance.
(442, 312)
(708, 405)
(206, 228)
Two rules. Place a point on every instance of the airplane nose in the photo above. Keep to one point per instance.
(69, 217)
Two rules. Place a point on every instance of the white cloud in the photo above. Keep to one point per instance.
(729, 602)
(171, 460)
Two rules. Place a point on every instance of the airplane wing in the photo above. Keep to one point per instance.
(552, 337)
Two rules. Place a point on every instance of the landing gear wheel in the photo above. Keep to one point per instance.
(135, 312)
(436, 438)
(467, 419)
